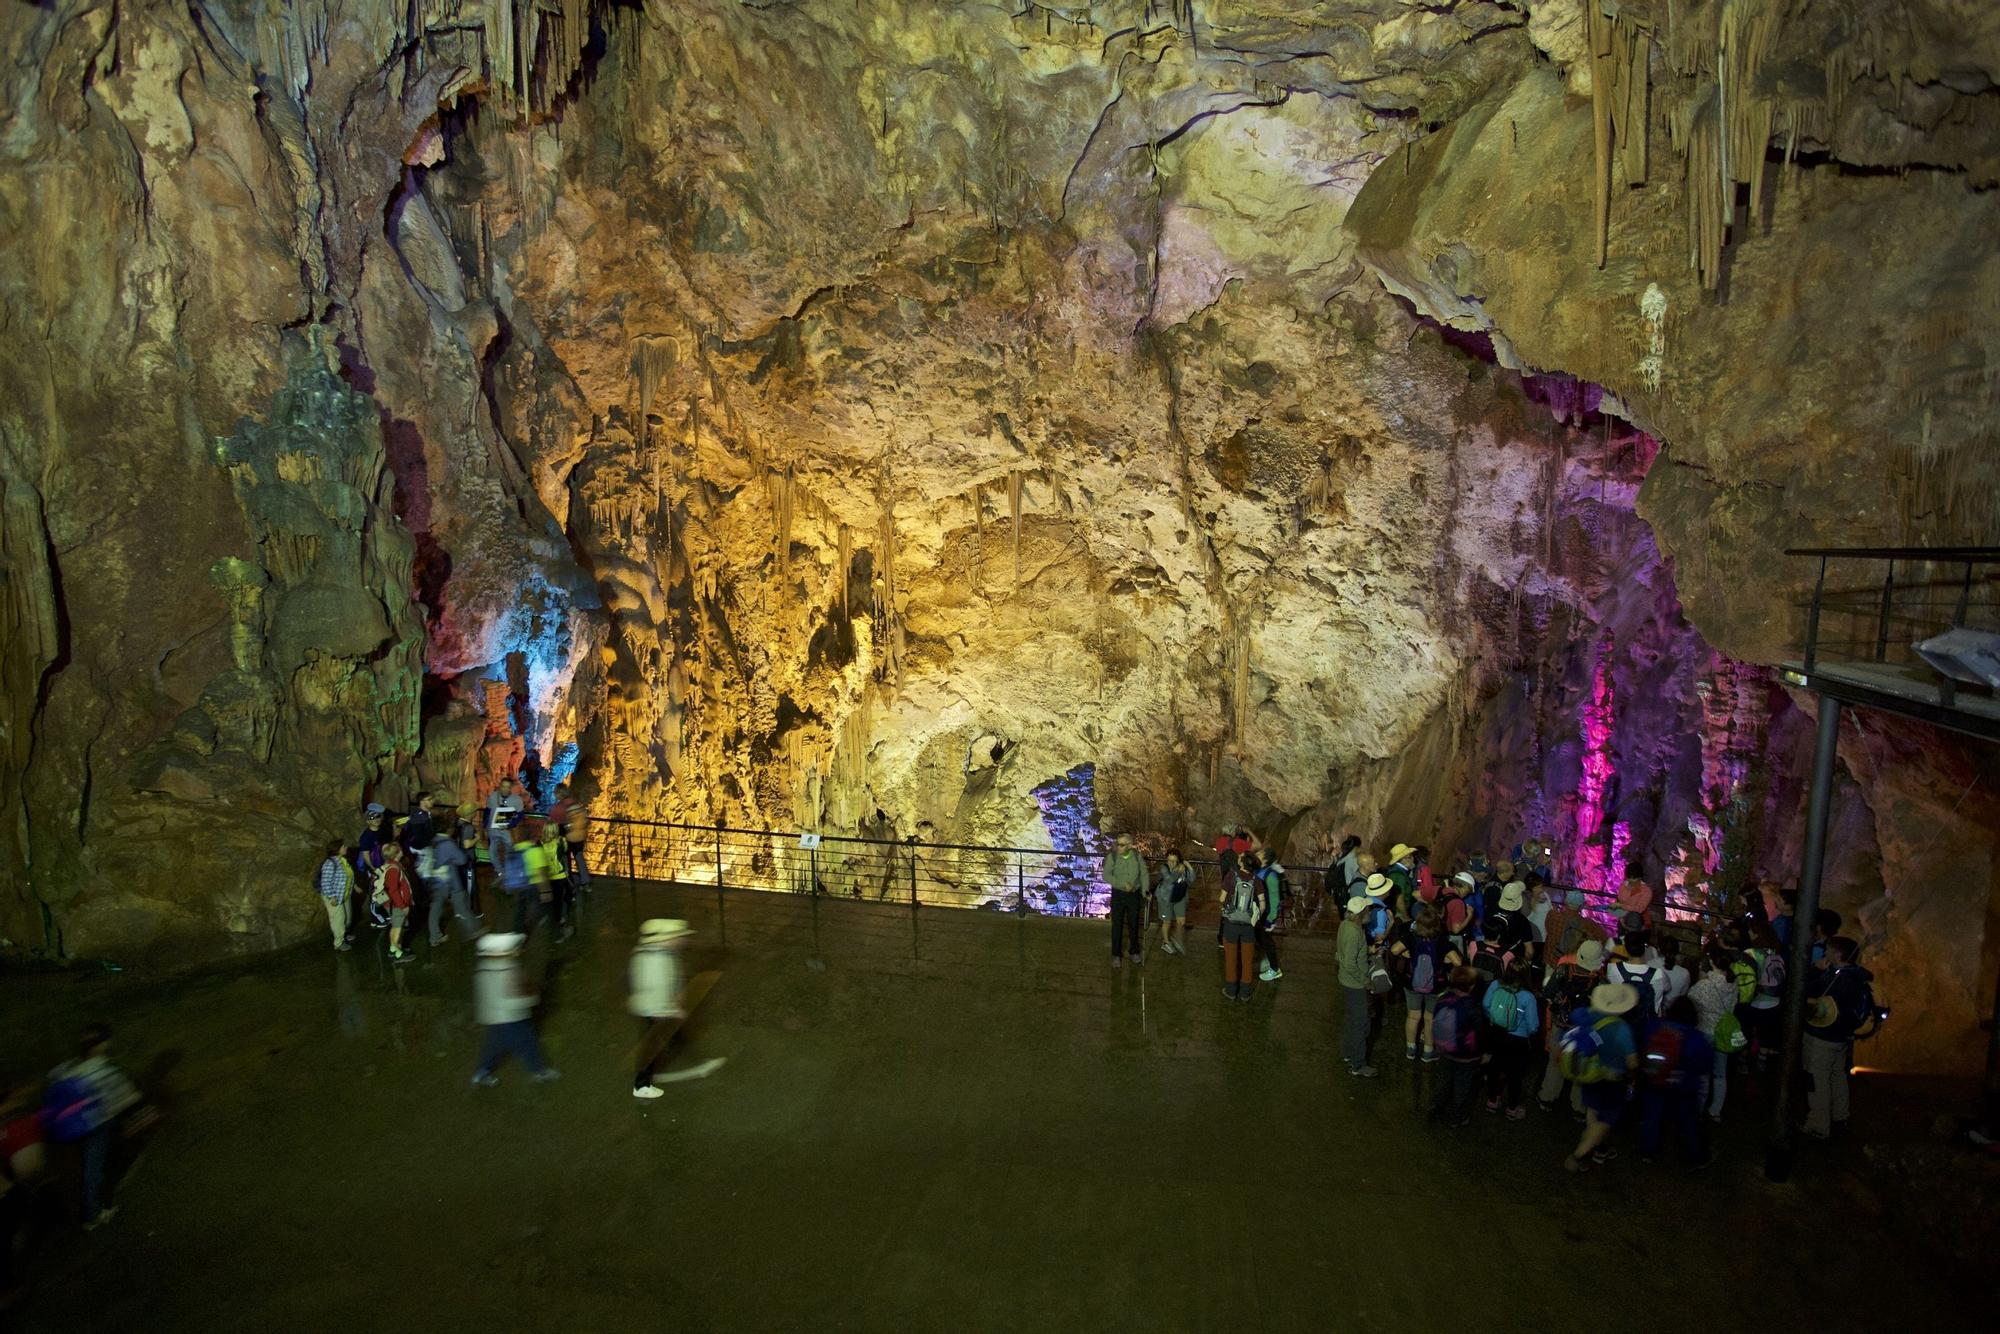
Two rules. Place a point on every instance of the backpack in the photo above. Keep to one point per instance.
(1580, 1052)
(1503, 1017)
(1487, 959)
(1423, 966)
(1661, 1061)
(1274, 892)
(1455, 1027)
(1457, 912)
(1242, 904)
(71, 1110)
(1641, 983)
(378, 885)
(1375, 921)
(1770, 972)
(1729, 1036)
(1568, 989)
(1743, 972)
(513, 872)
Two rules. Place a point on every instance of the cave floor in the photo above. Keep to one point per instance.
(940, 1121)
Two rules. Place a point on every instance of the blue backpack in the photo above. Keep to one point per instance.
(1503, 1007)
(1455, 1027)
(1375, 921)
(1580, 1052)
(71, 1110)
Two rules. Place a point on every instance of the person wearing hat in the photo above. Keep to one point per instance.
(655, 977)
(368, 861)
(1350, 954)
(1402, 873)
(1125, 872)
(1567, 926)
(504, 1004)
(1378, 912)
(1506, 929)
(1568, 992)
(1460, 909)
(1843, 1000)
(1604, 1103)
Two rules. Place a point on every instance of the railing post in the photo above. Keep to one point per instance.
(1021, 883)
(1964, 599)
(913, 873)
(632, 875)
(1882, 624)
(1812, 618)
(718, 868)
(812, 869)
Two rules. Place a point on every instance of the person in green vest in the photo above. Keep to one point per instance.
(1125, 872)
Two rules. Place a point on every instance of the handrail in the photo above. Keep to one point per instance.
(1951, 555)
(912, 844)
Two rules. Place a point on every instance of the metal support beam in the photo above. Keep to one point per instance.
(1778, 1148)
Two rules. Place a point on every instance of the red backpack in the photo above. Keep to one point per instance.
(1455, 1026)
(1660, 1064)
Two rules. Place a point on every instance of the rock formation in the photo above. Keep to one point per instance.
(1377, 416)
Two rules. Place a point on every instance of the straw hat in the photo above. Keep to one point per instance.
(1378, 885)
(1822, 1011)
(1513, 896)
(1590, 955)
(1614, 998)
(1400, 851)
(660, 930)
(1356, 904)
(500, 942)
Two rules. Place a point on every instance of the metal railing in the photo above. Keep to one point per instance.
(1043, 881)
(1922, 591)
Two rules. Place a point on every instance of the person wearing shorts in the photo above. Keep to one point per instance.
(1604, 1102)
(1170, 896)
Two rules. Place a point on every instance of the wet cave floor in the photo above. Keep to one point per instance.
(941, 1120)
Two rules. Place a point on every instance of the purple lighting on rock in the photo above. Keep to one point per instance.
(1072, 886)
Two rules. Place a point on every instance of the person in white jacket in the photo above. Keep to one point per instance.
(655, 976)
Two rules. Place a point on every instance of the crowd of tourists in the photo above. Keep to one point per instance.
(1515, 987)
(439, 857)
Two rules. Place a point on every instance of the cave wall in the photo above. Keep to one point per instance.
(755, 406)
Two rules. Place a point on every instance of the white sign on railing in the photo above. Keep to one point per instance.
(808, 840)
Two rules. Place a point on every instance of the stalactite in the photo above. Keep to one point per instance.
(1014, 512)
(783, 484)
(844, 566)
(653, 358)
(1240, 696)
(978, 536)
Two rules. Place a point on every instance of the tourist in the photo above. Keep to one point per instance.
(1765, 963)
(1714, 997)
(336, 886)
(1242, 907)
(1351, 968)
(1346, 870)
(504, 1004)
(1271, 884)
(1125, 872)
(561, 895)
(1826, 925)
(1843, 1000)
(369, 861)
(504, 800)
(1634, 901)
(1568, 926)
(1402, 875)
(1170, 893)
(24, 1189)
(1425, 957)
(1673, 1084)
(465, 832)
(399, 898)
(572, 819)
(1567, 993)
(1461, 904)
(451, 881)
(1379, 915)
(418, 831)
(1506, 933)
(86, 1100)
(655, 977)
(1514, 1019)
(1598, 1052)
(1782, 913)
(1426, 883)
(1500, 875)
(1675, 979)
(1457, 1026)
(1630, 967)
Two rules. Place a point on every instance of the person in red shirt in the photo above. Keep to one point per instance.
(396, 884)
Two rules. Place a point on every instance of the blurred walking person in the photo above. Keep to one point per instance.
(655, 977)
(451, 882)
(87, 1097)
(504, 1004)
